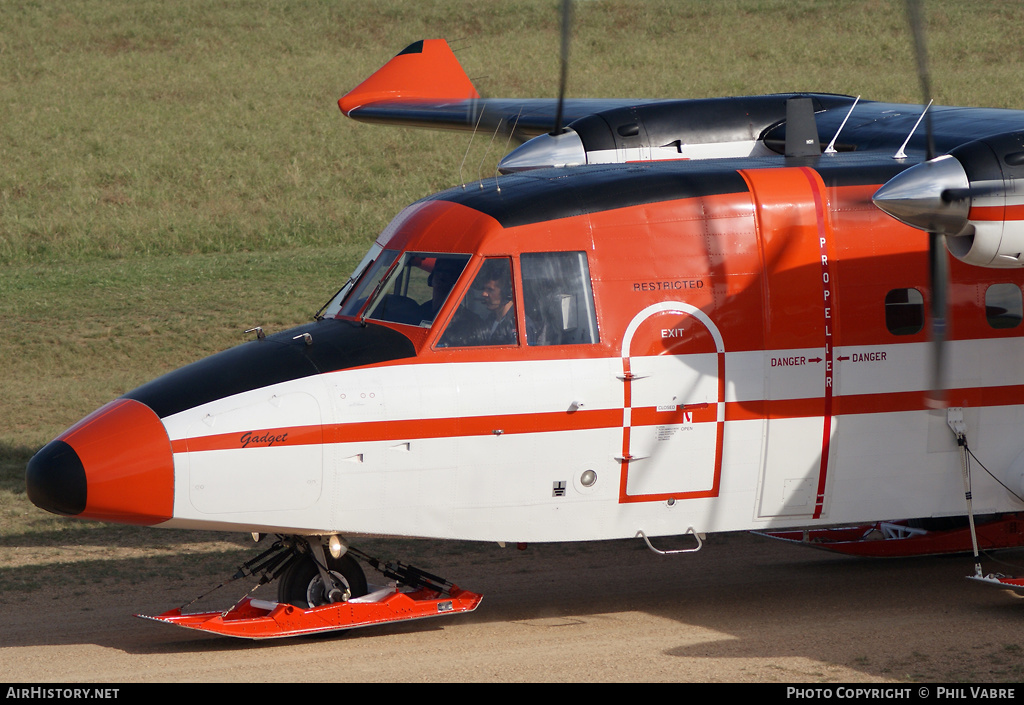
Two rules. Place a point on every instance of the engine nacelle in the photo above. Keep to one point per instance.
(711, 128)
(974, 196)
(994, 234)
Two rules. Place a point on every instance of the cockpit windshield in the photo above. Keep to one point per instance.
(367, 283)
(333, 307)
(416, 288)
(410, 291)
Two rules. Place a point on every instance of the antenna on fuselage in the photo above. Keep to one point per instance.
(801, 129)
(471, 136)
(831, 149)
(901, 154)
(480, 166)
(511, 132)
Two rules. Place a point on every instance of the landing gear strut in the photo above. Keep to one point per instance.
(303, 583)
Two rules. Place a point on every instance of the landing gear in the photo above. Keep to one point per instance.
(318, 593)
(303, 583)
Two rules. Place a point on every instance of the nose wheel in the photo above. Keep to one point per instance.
(303, 584)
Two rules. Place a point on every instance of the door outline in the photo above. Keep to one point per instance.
(677, 307)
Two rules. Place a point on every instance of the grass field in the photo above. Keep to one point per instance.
(174, 173)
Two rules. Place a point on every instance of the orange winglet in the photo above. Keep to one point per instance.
(426, 70)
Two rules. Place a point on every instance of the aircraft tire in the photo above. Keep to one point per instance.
(301, 585)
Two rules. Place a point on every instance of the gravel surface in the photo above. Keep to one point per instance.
(744, 609)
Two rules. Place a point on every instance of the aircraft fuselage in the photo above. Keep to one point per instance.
(738, 346)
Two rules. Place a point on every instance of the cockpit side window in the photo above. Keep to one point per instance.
(416, 289)
(558, 298)
(487, 313)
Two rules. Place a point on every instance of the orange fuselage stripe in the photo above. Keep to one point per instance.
(995, 213)
(553, 422)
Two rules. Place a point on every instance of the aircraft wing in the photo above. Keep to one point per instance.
(425, 86)
(527, 117)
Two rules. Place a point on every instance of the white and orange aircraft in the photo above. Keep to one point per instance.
(666, 318)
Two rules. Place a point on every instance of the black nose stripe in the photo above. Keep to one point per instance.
(55, 479)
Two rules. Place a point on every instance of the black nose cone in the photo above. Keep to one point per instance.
(55, 479)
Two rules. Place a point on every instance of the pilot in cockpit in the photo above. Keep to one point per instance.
(487, 313)
(499, 325)
(442, 278)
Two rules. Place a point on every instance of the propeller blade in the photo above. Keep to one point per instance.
(953, 195)
(915, 15)
(938, 266)
(937, 258)
(566, 28)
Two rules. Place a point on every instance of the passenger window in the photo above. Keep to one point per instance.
(904, 311)
(1003, 306)
(487, 313)
(558, 298)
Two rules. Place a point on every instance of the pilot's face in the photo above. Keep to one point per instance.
(443, 283)
(491, 295)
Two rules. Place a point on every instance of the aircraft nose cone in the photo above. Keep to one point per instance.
(55, 479)
(114, 465)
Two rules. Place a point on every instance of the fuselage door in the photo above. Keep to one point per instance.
(673, 374)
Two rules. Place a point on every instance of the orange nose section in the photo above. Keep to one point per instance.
(114, 465)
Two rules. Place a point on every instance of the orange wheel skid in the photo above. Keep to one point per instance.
(258, 619)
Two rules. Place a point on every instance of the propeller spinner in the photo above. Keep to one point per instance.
(972, 197)
(931, 196)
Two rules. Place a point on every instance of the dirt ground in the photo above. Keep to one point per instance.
(743, 609)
